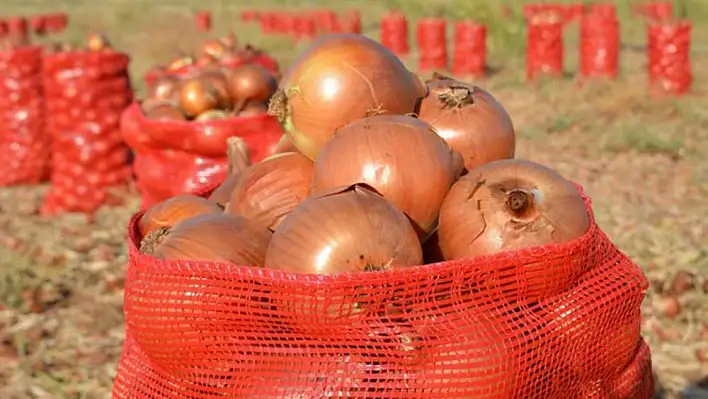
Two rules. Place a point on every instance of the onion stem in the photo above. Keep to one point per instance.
(278, 106)
(457, 97)
(518, 201)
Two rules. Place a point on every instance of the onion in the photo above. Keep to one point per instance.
(173, 210)
(269, 190)
(217, 79)
(205, 60)
(180, 62)
(251, 83)
(214, 48)
(215, 238)
(229, 40)
(507, 205)
(347, 229)
(165, 88)
(338, 79)
(97, 42)
(239, 160)
(197, 96)
(212, 115)
(513, 204)
(470, 119)
(400, 156)
(163, 111)
(253, 109)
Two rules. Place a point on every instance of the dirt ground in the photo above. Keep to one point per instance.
(641, 158)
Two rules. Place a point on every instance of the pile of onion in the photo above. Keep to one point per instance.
(210, 90)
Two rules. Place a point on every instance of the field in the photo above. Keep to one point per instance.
(641, 158)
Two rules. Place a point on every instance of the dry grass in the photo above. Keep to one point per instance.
(642, 159)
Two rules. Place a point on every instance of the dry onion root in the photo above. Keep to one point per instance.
(338, 79)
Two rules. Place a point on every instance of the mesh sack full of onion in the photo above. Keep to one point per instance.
(86, 92)
(24, 144)
(179, 133)
(380, 260)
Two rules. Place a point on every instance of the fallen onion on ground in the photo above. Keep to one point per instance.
(269, 190)
(346, 229)
(470, 119)
(338, 79)
(399, 156)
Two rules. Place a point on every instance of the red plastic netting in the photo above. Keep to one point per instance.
(431, 36)
(85, 94)
(176, 157)
(544, 48)
(463, 329)
(470, 53)
(24, 145)
(394, 32)
(668, 51)
(599, 46)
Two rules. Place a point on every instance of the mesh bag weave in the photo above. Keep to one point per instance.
(448, 330)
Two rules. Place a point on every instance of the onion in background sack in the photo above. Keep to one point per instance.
(86, 92)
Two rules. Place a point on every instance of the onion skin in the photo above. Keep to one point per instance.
(181, 62)
(347, 229)
(215, 238)
(214, 48)
(173, 210)
(470, 119)
(513, 204)
(269, 190)
(197, 96)
(399, 156)
(338, 79)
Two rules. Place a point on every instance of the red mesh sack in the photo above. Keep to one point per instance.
(599, 46)
(668, 51)
(202, 20)
(175, 157)
(24, 145)
(448, 330)
(85, 94)
(431, 36)
(470, 49)
(305, 27)
(394, 32)
(544, 47)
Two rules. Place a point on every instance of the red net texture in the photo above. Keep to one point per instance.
(394, 33)
(304, 27)
(544, 48)
(599, 46)
(668, 52)
(85, 94)
(176, 157)
(462, 329)
(24, 144)
(470, 51)
(202, 21)
(431, 36)
(654, 9)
